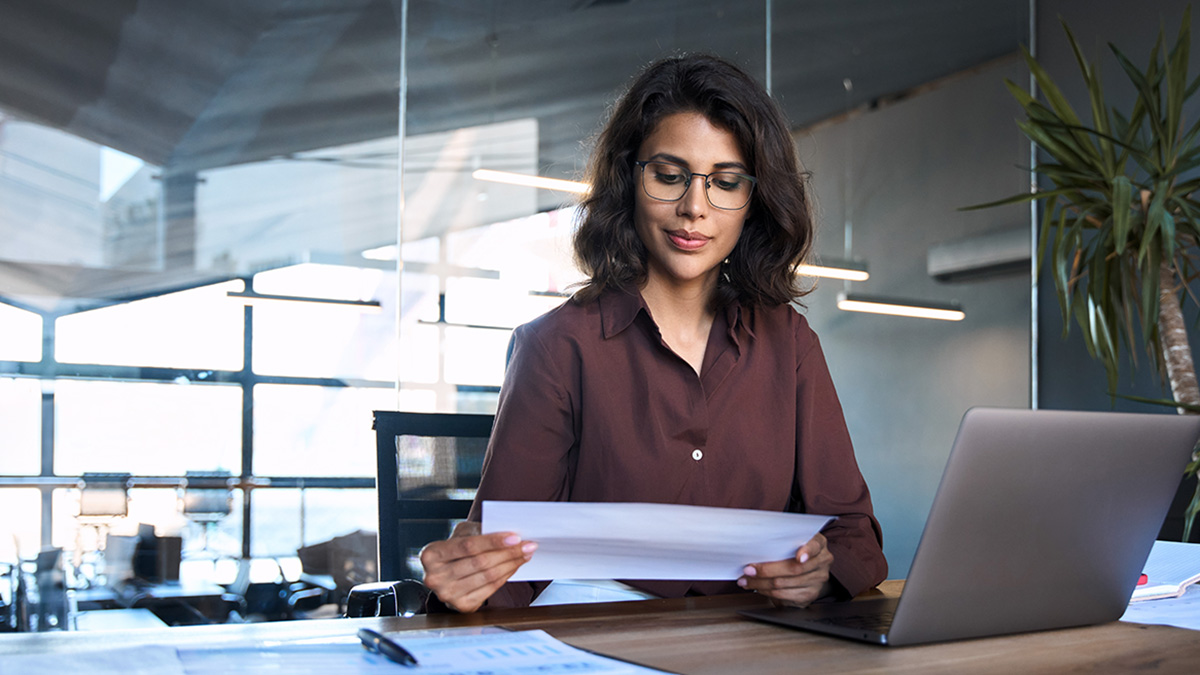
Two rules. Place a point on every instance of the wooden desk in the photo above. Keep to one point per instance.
(706, 635)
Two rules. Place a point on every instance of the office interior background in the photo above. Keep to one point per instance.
(166, 168)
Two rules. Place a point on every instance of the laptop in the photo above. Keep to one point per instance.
(1043, 519)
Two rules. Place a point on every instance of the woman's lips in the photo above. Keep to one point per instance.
(687, 241)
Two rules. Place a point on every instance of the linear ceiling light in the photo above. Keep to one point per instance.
(530, 181)
(850, 270)
(253, 298)
(859, 302)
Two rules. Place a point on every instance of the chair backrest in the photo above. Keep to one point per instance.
(428, 466)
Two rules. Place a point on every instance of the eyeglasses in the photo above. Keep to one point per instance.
(669, 182)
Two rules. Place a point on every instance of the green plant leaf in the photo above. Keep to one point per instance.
(1189, 516)
(1176, 78)
(1047, 225)
(1020, 93)
(1124, 304)
(1190, 407)
(1017, 199)
(1049, 89)
(1062, 146)
(1190, 213)
(1192, 87)
(1079, 309)
(1183, 167)
(1146, 84)
(1149, 299)
(1122, 204)
(1188, 142)
(1100, 119)
(1153, 222)
(1060, 265)
(1058, 103)
(1104, 348)
(1167, 228)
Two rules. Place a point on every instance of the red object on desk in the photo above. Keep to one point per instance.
(1142, 580)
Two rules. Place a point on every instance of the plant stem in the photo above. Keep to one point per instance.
(1177, 351)
(1181, 371)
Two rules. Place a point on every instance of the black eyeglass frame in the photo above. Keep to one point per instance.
(641, 164)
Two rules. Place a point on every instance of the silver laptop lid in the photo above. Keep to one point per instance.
(1043, 519)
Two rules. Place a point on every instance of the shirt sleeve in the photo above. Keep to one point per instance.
(828, 475)
(530, 455)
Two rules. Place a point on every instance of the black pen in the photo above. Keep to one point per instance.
(378, 642)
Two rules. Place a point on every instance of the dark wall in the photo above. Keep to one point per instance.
(1068, 378)
(900, 173)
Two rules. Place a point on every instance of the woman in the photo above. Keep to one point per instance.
(680, 372)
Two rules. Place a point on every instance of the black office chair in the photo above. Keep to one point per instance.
(427, 469)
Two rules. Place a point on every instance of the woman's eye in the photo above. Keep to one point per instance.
(669, 178)
(728, 182)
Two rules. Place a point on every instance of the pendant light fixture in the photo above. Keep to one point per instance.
(526, 180)
(846, 268)
(874, 304)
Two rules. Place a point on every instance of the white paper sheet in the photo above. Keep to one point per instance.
(1182, 612)
(144, 660)
(583, 540)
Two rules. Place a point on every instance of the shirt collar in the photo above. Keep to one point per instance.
(619, 309)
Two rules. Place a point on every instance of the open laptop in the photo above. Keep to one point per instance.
(1043, 519)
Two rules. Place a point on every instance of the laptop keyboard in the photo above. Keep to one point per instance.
(878, 622)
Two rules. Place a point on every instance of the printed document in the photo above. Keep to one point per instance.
(586, 540)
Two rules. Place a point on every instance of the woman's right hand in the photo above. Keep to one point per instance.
(466, 569)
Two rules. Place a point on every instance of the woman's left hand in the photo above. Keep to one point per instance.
(796, 581)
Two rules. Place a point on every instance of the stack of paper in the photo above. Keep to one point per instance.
(1171, 568)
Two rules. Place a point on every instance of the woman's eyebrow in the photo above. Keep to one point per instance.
(674, 159)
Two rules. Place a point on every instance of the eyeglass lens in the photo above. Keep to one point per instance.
(669, 182)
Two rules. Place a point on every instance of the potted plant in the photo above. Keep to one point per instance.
(1120, 222)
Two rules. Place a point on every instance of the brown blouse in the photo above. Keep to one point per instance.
(596, 407)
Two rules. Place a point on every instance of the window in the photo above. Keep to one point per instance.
(20, 535)
(21, 339)
(197, 328)
(21, 430)
(325, 340)
(316, 431)
(146, 428)
(286, 520)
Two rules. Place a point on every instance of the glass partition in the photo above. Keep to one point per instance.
(219, 254)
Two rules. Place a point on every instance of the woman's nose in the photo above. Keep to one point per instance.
(694, 201)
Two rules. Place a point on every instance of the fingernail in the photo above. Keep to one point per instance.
(803, 558)
(750, 571)
(529, 547)
(742, 582)
(511, 540)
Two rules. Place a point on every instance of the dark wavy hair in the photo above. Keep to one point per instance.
(779, 230)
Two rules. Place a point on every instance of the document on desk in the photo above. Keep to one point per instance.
(588, 540)
(1181, 612)
(509, 652)
(485, 650)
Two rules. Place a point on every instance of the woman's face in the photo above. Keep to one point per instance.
(687, 239)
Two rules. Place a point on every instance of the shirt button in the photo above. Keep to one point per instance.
(696, 454)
